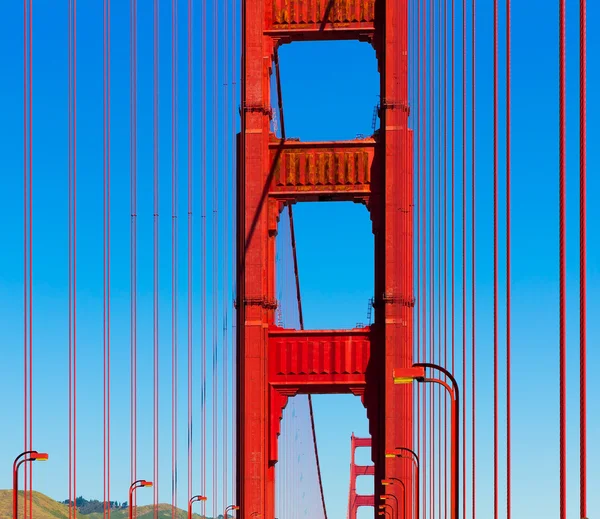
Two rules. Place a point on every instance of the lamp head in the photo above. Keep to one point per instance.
(235, 507)
(39, 456)
(387, 482)
(145, 483)
(407, 375)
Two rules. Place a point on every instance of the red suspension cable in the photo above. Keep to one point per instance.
(174, 255)
(106, 259)
(133, 245)
(73, 264)
(25, 246)
(444, 362)
(452, 172)
(204, 258)
(215, 255)
(464, 256)
(473, 255)
(155, 239)
(70, 249)
(225, 287)
(190, 243)
(30, 65)
(495, 259)
(562, 259)
(508, 266)
(582, 263)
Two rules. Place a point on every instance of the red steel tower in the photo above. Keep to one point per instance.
(355, 501)
(275, 363)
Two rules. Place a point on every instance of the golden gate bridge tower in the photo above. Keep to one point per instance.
(276, 363)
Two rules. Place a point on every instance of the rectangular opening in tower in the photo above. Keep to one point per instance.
(336, 418)
(334, 247)
(330, 90)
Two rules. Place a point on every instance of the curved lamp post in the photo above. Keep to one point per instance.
(229, 509)
(24, 457)
(406, 453)
(193, 500)
(417, 372)
(389, 482)
(140, 483)
(383, 507)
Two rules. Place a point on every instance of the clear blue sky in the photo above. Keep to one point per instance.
(336, 263)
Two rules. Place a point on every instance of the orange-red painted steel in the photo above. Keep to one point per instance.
(355, 501)
(274, 364)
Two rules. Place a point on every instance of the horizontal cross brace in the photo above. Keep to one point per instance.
(307, 171)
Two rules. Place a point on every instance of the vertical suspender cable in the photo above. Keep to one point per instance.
(464, 256)
(203, 273)
(440, 263)
(72, 225)
(423, 454)
(106, 256)
(69, 232)
(225, 241)
(30, 66)
(25, 279)
(73, 279)
(420, 295)
(104, 510)
(233, 234)
(445, 224)
(495, 230)
(508, 266)
(473, 254)
(156, 287)
(431, 253)
(190, 243)
(562, 259)
(174, 255)
(582, 263)
(215, 251)
(452, 182)
(133, 243)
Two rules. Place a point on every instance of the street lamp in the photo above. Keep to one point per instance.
(383, 512)
(383, 508)
(229, 509)
(24, 457)
(389, 482)
(401, 452)
(193, 500)
(417, 372)
(134, 486)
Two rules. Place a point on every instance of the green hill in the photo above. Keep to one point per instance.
(47, 508)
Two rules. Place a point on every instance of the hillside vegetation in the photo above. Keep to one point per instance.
(47, 508)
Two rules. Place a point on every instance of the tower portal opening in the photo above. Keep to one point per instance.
(334, 246)
(330, 89)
